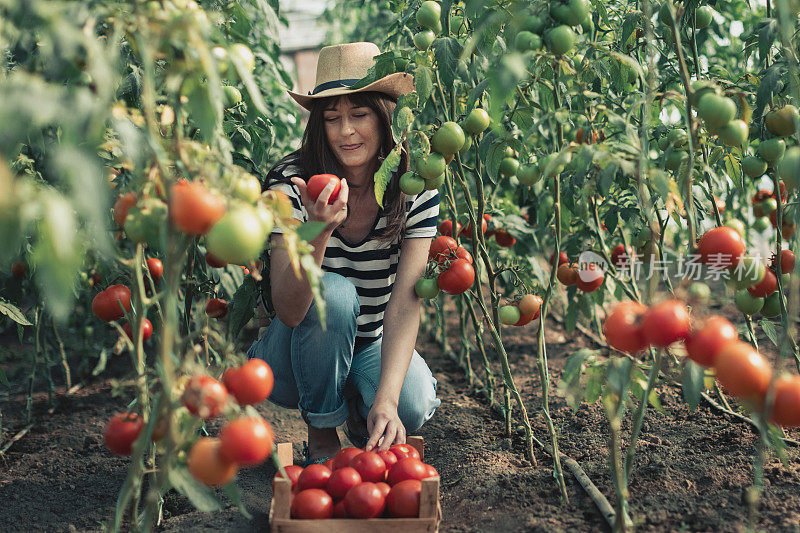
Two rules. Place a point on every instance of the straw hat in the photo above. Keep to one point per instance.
(340, 66)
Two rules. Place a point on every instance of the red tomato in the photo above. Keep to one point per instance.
(213, 261)
(247, 441)
(408, 468)
(193, 208)
(786, 409)
(446, 227)
(722, 246)
(147, 330)
(207, 465)
(217, 308)
(370, 466)
(622, 257)
(623, 327)
(562, 258)
(666, 322)
(787, 261)
(312, 504)
(388, 457)
(18, 269)
(318, 182)
(344, 456)
(767, 286)
(504, 238)
(204, 396)
(314, 477)
(589, 278)
(530, 308)
(404, 450)
(122, 431)
(339, 510)
(442, 248)
(106, 305)
(384, 487)
(156, 268)
(567, 274)
(705, 342)
(463, 253)
(743, 371)
(467, 232)
(403, 499)
(329, 464)
(250, 383)
(122, 206)
(431, 471)
(365, 500)
(341, 481)
(292, 473)
(458, 278)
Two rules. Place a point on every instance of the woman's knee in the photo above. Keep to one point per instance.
(418, 399)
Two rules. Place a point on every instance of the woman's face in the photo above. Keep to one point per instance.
(353, 133)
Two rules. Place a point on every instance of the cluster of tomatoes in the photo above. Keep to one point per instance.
(587, 278)
(450, 269)
(714, 342)
(503, 238)
(360, 484)
(521, 311)
(724, 247)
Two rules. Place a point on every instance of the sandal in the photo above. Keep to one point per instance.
(308, 461)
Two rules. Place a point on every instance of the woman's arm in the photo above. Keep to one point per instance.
(291, 296)
(401, 324)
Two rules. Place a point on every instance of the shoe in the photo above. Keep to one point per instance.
(308, 461)
(359, 441)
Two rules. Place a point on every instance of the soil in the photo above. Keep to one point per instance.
(692, 468)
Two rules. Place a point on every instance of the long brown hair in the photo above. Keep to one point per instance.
(316, 157)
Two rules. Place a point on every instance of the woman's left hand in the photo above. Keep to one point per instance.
(383, 421)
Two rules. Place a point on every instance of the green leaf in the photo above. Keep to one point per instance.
(653, 400)
(423, 81)
(618, 375)
(693, 383)
(232, 491)
(447, 51)
(242, 305)
(14, 313)
(767, 34)
(3, 378)
(571, 318)
(101, 363)
(402, 119)
(308, 231)
(574, 364)
(202, 497)
(384, 174)
(769, 330)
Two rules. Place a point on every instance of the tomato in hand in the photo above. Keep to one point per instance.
(248, 441)
(370, 466)
(312, 504)
(705, 342)
(122, 431)
(250, 383)
(403, 499)
(458, 278)
(207, 465)
(743, 371)
(292, 473)
(786, 408)
(623, 327)
(106, 305)
(314, 476)
(344, 456)
(341, 481)
(408, 468)
(318, 182)
(401, 451)
(666, 322)
(204, 396)
(365, 500)
(147, 330)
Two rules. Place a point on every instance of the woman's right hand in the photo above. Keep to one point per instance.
(332, 214)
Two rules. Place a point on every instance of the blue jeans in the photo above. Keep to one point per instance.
(319, 372)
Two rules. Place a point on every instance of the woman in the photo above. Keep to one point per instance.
(361, 369)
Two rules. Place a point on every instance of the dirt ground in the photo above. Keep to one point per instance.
(691, 472)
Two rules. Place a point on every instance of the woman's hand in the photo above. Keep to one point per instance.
(383, 421)
(321, 211)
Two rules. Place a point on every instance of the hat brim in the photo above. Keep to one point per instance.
(394, 85)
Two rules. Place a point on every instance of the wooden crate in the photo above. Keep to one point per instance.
(430, 511)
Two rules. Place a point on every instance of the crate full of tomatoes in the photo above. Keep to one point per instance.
(357, 491)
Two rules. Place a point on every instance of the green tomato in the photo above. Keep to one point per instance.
(509, 152)
(749, 271)
(448, 139)
(533, 24)
(771, 150)
(145, 221)
(769, 205)
(700, 292)
(240, 53)
(434, 183)
(508, 167)
(266, 218)
(663, 143)
(233, 96)
(432, 167)
(738, 225)
(735, 133)
(703, 16)
(772, 305)
(781, 122)
(702, 87)
(239, 236)
(467, 146)
(477, 121)
(761, 224)
(526, 40)
(426, 288)
(220, 55)
(560, 40)
(424, 39)
(678, 137)
(429, 15)
(546, 204)
(754, 166)
(247, 187)
(509, 314)
(789, 167)
(528, 174)
(411, 184)
(716, 111)
(572, 13)
(675, 159)
(747, 303)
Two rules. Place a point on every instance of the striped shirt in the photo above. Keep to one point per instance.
(371, 265)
